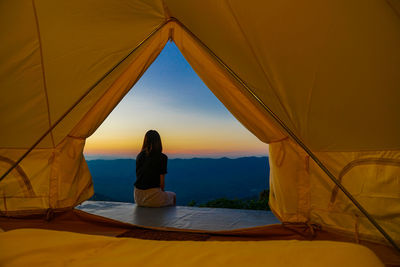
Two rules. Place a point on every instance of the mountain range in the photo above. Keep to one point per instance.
(196, 179)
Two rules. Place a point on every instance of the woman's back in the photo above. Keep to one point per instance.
(149, 167)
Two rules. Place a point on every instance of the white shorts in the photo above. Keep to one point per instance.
(154, 197)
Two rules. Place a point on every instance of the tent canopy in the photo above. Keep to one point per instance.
(328, 71)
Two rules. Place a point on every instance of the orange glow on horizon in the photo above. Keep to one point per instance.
(172, 99)
(203, 147)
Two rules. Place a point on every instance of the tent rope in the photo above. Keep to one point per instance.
(16, 163)
(295, 138)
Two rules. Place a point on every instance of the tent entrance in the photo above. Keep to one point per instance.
(171, 98)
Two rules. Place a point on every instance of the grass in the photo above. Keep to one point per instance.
(248, 204)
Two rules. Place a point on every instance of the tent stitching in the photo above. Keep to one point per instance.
(355, 163)
(167, 13)
(43, 70)
(396, 10)
(257, 60)
(24, 177)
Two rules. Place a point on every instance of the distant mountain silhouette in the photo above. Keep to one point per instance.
(100, 197)
(198, 179)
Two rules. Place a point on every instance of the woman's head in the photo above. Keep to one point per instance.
(152, 142)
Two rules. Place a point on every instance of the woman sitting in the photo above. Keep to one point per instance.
(151, 167)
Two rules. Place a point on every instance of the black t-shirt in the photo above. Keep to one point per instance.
(148, 169)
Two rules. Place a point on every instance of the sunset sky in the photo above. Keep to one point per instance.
(173, 100)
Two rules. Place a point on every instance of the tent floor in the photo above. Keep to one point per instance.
(80, 221)
(181, 217)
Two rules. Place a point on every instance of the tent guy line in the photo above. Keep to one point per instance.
(237, 78)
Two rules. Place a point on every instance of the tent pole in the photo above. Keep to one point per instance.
(295, 138)
(16, 163)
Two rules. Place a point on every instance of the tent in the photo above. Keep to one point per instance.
(319, 81)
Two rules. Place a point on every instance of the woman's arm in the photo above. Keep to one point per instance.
(162, 181)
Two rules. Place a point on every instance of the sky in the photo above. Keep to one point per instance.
(173, 100)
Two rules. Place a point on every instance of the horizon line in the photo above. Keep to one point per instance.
(114, 157)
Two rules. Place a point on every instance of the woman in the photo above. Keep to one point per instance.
(151, 167)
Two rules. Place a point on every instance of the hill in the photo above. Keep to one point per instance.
(197, 179)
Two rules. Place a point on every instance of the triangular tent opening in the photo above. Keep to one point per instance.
(172, 99)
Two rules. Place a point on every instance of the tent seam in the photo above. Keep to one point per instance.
(313, 84)
(43, 70)
(167, 13)
(255, 57)
(395, 10)
(22, 174)
(355, 163)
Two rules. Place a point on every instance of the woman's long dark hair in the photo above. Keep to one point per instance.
(152, 143)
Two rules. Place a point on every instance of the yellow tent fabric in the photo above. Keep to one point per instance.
(329, 71)
(45, 248)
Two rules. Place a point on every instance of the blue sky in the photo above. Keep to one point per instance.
(173, 100)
